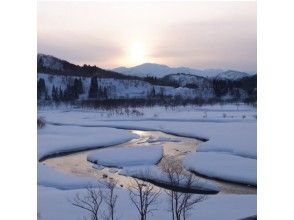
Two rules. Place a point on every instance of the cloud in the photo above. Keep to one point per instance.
(229, 43)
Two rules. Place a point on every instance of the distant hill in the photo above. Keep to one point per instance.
(232, 75)
(158, 70)
(188, 80)
(52, 65)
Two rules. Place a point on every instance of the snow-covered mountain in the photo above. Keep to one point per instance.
(51, 62)
(231, 75)
(158, 70)
(186, 80)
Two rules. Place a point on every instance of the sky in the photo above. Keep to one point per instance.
(111, 34)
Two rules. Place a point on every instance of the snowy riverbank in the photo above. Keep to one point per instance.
(231, 133)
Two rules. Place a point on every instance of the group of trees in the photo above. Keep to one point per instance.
(153, 94)
(144, 196)
(42, 91)
(95, 91)
(92, 200)
(70, 93)
(161, 81)
(99, 96)
(233, 87)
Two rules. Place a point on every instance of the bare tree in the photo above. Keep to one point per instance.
(144, 196)
(189, 200)
(41, 122)
(180, 202)
(91, 202)
(110, 198)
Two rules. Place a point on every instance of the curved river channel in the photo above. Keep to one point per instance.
(76, 163)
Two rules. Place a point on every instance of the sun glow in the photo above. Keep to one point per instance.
(137, 53)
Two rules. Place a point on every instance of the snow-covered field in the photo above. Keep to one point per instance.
(229, 153)
(223, 166)
(60, 139)
(53, 205)
(53, 178)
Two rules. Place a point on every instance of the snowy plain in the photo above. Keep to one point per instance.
(50, 177)
(230, 131)
(60, 139)
(53, 204)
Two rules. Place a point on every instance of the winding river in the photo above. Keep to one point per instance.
(174, 146)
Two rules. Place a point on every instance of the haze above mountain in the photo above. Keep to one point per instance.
(158, 70)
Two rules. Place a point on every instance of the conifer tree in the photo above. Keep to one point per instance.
(93, 91)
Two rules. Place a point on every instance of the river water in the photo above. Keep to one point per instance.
(173, 146)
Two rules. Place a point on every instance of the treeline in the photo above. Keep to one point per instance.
(248, 84)
(98, 96)
(72, 91)
(168, 102)
(161, 81)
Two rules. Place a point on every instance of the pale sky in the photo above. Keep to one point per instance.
(111, 34)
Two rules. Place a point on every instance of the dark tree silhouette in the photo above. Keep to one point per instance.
(180, 202)
(93, 91)
(41, 88)
(144, 196)
(91, 202)
(110, 198)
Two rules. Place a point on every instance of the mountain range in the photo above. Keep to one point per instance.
(158, 70)
(56, 65)
(62, 81)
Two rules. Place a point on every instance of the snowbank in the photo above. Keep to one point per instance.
(223, 166)
(52, 178)
(154, 174)
(59, 139)
(127, 156)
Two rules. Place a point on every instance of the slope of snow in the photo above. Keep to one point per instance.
(118, 88)
(155, 174)
(59, 139)
(49, 62)
(184, 79)
(127, 156)
(223, 166)
(231, 75)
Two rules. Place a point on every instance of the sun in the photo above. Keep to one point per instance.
(137, 53)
